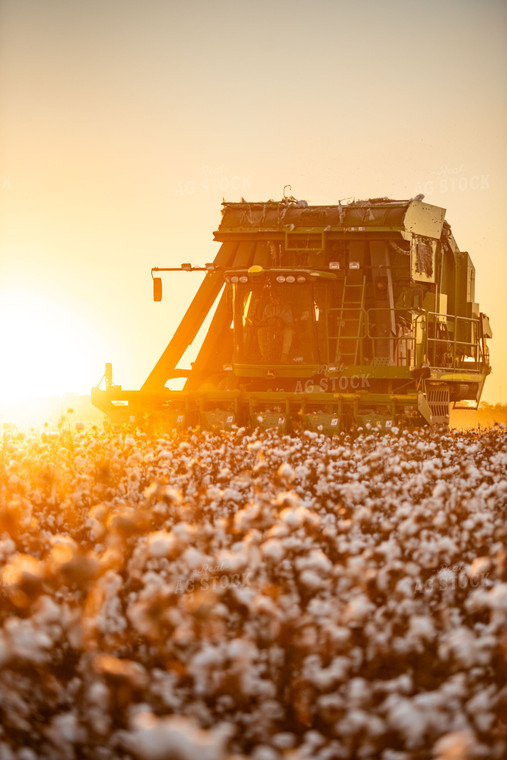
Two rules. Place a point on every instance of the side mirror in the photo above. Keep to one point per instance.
(157, 288)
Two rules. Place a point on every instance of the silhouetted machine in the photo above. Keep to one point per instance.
(326, 317)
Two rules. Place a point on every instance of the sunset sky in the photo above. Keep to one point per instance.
(124, 123)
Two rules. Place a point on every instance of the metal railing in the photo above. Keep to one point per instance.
(451, 348)
(385, 336)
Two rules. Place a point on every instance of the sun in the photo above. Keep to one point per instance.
(47, 348)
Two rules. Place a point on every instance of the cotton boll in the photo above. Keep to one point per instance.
(357, 610)
(263, 752)
(184, 532)
(497, 598)
(64, 732)
(404, 587)
(96, 528)
(407, 720)
(363, 516)
(394, 754)
(477, 600)
(245, 518)
(478, 568)
(284, 740)
(422, 628)
(325, 678)
(311, 580)
(355, 722)
(408, 528)
(440, 490)
(213, 493)
(315, 561)
(242, 650)
(232, 494)
(293, 516)
(205, 667)
(26, 754)
(7, 548)
(103, 610)
(244, 595)
(290, 500)
(273, 550)
(193, 558)
(286, 473)
(461, 644)
(153, 738)
(26, 642)
(236, 560)
(354, 493)
(457, 745)
(358, 692)
(481, 709)
(6, 753)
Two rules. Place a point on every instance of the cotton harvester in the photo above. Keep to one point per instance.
(325, 317)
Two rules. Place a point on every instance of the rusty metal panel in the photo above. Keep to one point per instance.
(423, 252)
(300, 217)
(424, 219)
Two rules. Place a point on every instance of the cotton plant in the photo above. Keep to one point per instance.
(251, 594)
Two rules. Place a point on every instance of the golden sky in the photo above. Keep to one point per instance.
(124, 123)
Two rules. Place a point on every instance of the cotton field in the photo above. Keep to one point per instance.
(246, 595)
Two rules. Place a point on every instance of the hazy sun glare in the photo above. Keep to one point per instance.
(46, 349)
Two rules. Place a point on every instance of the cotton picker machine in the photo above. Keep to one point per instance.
(325, 318)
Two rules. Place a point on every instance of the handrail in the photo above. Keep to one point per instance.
(415, 343)
(453, 351)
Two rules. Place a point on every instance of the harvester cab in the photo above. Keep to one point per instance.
(275, 321)
(325, 317)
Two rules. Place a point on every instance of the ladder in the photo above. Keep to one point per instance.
(350, 323)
